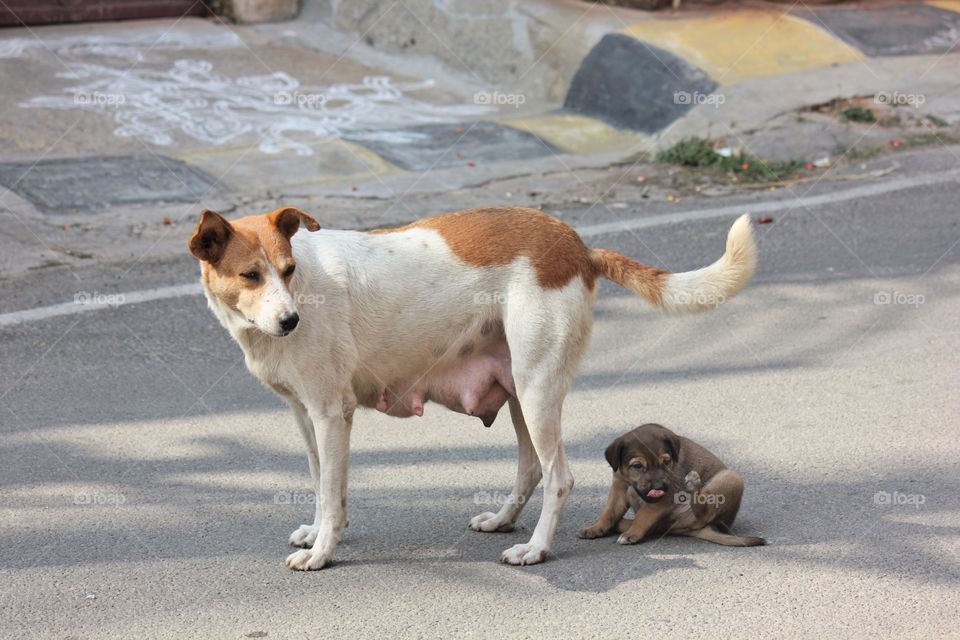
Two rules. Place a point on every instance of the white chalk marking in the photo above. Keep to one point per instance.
(193, 289)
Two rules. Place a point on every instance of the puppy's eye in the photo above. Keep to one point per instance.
(289, 271)
(252, 276)
(637, 467)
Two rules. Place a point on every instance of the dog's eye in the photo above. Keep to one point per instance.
(638, 467)
(252, 276)
(289, 271)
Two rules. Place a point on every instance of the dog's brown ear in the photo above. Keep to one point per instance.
(210, 238)
(287, 220)
(672, 444)
(614, 453)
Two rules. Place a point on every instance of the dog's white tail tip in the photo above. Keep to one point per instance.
(711, 286)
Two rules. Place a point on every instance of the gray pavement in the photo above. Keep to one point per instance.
(149, 482)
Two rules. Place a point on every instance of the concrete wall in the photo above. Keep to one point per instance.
(500, 43)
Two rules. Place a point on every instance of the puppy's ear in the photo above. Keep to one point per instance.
(672, 444)
(288, 220)
(210, 238)
(614, 453)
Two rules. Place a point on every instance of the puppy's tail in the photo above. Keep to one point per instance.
(689, 291)
(712, 535)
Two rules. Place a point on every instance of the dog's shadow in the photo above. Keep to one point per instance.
(879, 522)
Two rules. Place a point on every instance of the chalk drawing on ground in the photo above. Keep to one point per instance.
(191, 98)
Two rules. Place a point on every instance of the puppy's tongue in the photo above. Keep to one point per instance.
(655, 493)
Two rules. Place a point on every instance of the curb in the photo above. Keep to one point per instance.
(652, 73)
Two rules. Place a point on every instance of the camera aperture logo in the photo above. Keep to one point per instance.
(309, 299)
(301, 100)
(496, 498)
(489, 297)
(899, 499)
(696, 98)
(294, 497)
(687, 498)
(98, 99)
(499, 99)
(700, 298)
(899, 298)
(899, 99)
(95, 499)
(99, 299)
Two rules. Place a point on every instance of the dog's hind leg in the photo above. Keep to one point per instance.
(718, 501)
(547, 332)
(528, 475)
(542, 409)
(306, 534)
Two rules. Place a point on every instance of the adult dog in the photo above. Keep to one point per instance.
(472, 310)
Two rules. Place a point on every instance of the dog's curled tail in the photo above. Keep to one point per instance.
(710, 534)
(689, 291)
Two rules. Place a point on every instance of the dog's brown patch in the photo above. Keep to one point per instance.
(493, 237)
(627, 272)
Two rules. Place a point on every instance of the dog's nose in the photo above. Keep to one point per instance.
(289, 322)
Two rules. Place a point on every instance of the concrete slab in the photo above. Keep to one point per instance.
(94, 182)
(747, 44)
(895, 30)
(441, 146)
(633, 85)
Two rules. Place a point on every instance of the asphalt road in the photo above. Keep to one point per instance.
(149, 483)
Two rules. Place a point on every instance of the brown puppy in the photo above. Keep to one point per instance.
(675, 486)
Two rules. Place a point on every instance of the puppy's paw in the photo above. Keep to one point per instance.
(589, 533)
(693, 482)
(307, 560)
(304, 536)
(522, 554)
(627, 539)
(489, 523)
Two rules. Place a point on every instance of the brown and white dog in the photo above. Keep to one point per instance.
(471, 310)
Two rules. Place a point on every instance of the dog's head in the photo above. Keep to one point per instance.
(248, 265)
(644, 458)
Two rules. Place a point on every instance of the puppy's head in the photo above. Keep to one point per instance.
(248, 265)
(644, 458)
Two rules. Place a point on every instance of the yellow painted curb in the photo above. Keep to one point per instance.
(576, 134)
(747, 44)
(949, 5)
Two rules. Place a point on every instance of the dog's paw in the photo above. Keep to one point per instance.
(589, 533)
(307, 560)
(693, 482)
(524, 554)
(627, 539)
(304, 536)
(488, 522)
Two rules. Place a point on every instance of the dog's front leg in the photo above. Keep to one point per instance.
(332, 433)
(306, 534)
